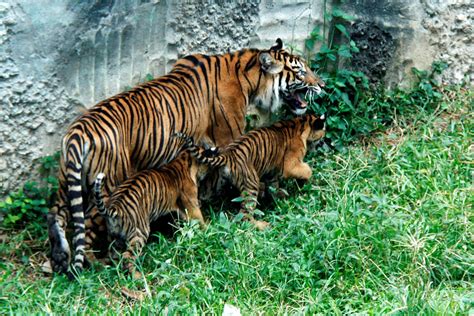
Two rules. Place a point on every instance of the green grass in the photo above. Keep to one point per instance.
(382, 228)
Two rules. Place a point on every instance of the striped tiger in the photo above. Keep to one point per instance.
(146, 196)
(203, 96)
(278, 149)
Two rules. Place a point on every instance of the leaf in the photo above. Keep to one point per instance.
(309, 44)
(343, 30)
(319, 57)
(238, 199)
(351, 81)
(325, 50)
(38, 202)
(52, 180)
(341, 125)
(338, 13)
(354, 47)
(328, 16)
(340, 84)
(345, 98)
(12, 218)
(223, 219)
(17, 203)
(344, 51)
(331, 57)
(25, 208)
(237, 218)
(315, 33)
(258, 212)
(332, 119)
(30, 185)
(184, 292)
(149, 77)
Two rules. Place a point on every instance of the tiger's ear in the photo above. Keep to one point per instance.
(278, 45)
(319, 122)
(269, 64)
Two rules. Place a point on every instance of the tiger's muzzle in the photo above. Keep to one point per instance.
(298, 96)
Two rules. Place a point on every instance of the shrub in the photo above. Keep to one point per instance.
(34, 199)
(352, 107)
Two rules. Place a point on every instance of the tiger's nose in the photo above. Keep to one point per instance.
(314, 80)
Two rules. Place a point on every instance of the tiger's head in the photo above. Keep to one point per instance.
(317, 127)
(115, 231)
(292, 79)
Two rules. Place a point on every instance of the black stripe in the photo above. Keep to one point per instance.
(251, 63)
(192, 59)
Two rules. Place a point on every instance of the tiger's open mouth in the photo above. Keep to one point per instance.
(297, 99)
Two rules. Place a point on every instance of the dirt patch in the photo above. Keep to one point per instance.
(376, 47)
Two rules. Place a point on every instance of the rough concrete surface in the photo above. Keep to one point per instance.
(451, 28)
(56, 55)
(420, 32)
(375, 50)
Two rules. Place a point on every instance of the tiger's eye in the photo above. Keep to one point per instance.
(301, 73)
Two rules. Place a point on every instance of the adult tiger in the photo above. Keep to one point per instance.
(203, 96)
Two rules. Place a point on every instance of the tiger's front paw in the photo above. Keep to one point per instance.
(130, 269)
(261, 225)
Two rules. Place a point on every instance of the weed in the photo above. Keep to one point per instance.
(353, 108)
(31, 203)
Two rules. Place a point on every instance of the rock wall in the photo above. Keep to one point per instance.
(451, 27)
(58, 55)
(35, 106)
(395, 35)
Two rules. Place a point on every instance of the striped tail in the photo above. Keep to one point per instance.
(98, 195)
(209, 156)
(75, 197)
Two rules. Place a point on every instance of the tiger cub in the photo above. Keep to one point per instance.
(278, 149)
(146, 196)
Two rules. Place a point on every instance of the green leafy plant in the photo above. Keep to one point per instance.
(353, 108)
(344, 87)
(34, 199)
(149, 77)
(353, 113)
(336, 44)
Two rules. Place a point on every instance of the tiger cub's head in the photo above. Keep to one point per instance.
(293, 80)
(314, 126)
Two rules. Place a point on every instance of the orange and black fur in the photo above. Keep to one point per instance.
(203, 96)
(146, 196)
(278, 149)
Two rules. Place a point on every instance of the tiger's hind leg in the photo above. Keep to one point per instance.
(58, 217)
(97, 240)
(247, 181)
(270, 189)
(135, 243)
(189, 201)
